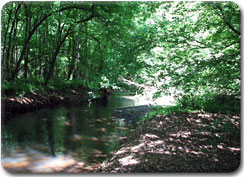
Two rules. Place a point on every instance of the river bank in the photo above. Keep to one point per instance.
(186, 142)
(14, 105)
(197, 142)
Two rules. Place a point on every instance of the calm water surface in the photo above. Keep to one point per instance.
(85, 133)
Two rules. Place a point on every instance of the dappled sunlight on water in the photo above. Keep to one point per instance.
(65, 138)
(29, 160)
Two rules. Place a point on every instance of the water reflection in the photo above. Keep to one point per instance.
(30, 160)
(65, 133)
(50, 136)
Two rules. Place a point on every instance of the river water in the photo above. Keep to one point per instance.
(62, 135)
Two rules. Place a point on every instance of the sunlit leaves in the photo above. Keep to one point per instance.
(191, 46)
(198, 47)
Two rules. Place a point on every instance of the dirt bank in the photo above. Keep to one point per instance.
(197, 142)
(32, 101)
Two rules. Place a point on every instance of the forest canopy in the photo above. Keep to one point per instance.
(188, 48)
(120, 86)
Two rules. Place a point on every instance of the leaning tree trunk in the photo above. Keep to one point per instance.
(54, 57)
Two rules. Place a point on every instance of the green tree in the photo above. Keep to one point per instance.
(192, 48)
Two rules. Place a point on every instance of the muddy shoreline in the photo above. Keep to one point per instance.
(12, 106)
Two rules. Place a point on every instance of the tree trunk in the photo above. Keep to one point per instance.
(35, 27)
(54, 57)
(10, 41)
(5, 61)
(72, 59)
(27, 40)
(27, 29)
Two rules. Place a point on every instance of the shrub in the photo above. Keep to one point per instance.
(22, 86)
(227, 104)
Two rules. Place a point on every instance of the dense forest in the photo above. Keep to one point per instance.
(193, 48)
(188, 50)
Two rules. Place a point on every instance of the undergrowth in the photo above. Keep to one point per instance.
(169, 110)
(31, 85)
(212, 103)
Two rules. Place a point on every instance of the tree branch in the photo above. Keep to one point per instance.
(37, 24)
(226, 22)
(87, 19)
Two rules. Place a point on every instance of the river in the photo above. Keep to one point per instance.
(50, 139)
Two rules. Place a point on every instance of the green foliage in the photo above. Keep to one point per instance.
(175, 110)
(31, 85)
(65, 86)
(189, 48)
(197, 50)
(169, 110)
(105, 83)
(212, 103)
(22, 86)
(157, 94)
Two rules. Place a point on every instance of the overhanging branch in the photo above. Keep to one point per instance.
(227, 22)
